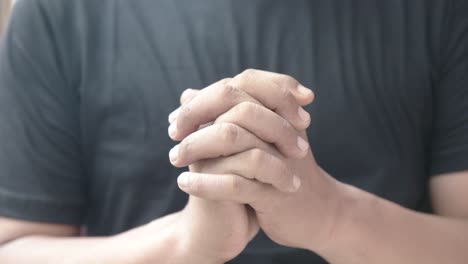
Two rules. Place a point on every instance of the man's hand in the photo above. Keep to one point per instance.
(215, 232)
(220, 230)
(258, 175)
(236, 161)
(280, 93)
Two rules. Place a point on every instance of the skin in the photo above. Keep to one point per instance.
(340, 222)
(53, 243)
(204, 232)
(266, 184)
(236, 225)
(362, 229)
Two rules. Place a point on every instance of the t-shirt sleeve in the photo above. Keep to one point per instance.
(41, 174)
(449, 148)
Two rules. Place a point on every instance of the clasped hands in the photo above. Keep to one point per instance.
(251, 167)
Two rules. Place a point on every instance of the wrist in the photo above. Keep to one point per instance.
(164, 240)
(187, 248)
(352, 219)
(334, 198)
(194, 255)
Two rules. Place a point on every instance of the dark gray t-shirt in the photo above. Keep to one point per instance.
(86, 87)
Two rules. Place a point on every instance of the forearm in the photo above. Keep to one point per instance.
(374, 230)
(156, 242)
(41, 249)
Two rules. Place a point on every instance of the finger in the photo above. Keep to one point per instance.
(303, 95)
(224, 187)
(206, 107)
(268, 126)
(280, 93)
(186, 97)
(254, 164)
(214, 141)
(269, 89)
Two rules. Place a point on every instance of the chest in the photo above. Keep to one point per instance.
(369, 64)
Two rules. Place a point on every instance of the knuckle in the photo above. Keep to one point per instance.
(227, 90)
(226, 81)
(184, 112)
(244, 78)
(188, 94)
(235, 185)
(258, 156)
(285, 125)
(283, 174)
(244, 109)
(194, 184)
(265, 168)
(229, 132)
(184, 95)
(288, 136)
(284, 92)
(185, 148)
(254, 110)
(249, 72)
(248, 107)
(289, 81)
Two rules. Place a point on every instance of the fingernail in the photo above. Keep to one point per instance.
(174, 153)
(296, 183)
(302, 144)
(183, 179)
(173, 129)
(303, 114)
(173, 116)
(304, 90)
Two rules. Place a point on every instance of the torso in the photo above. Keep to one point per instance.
(369, 62)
